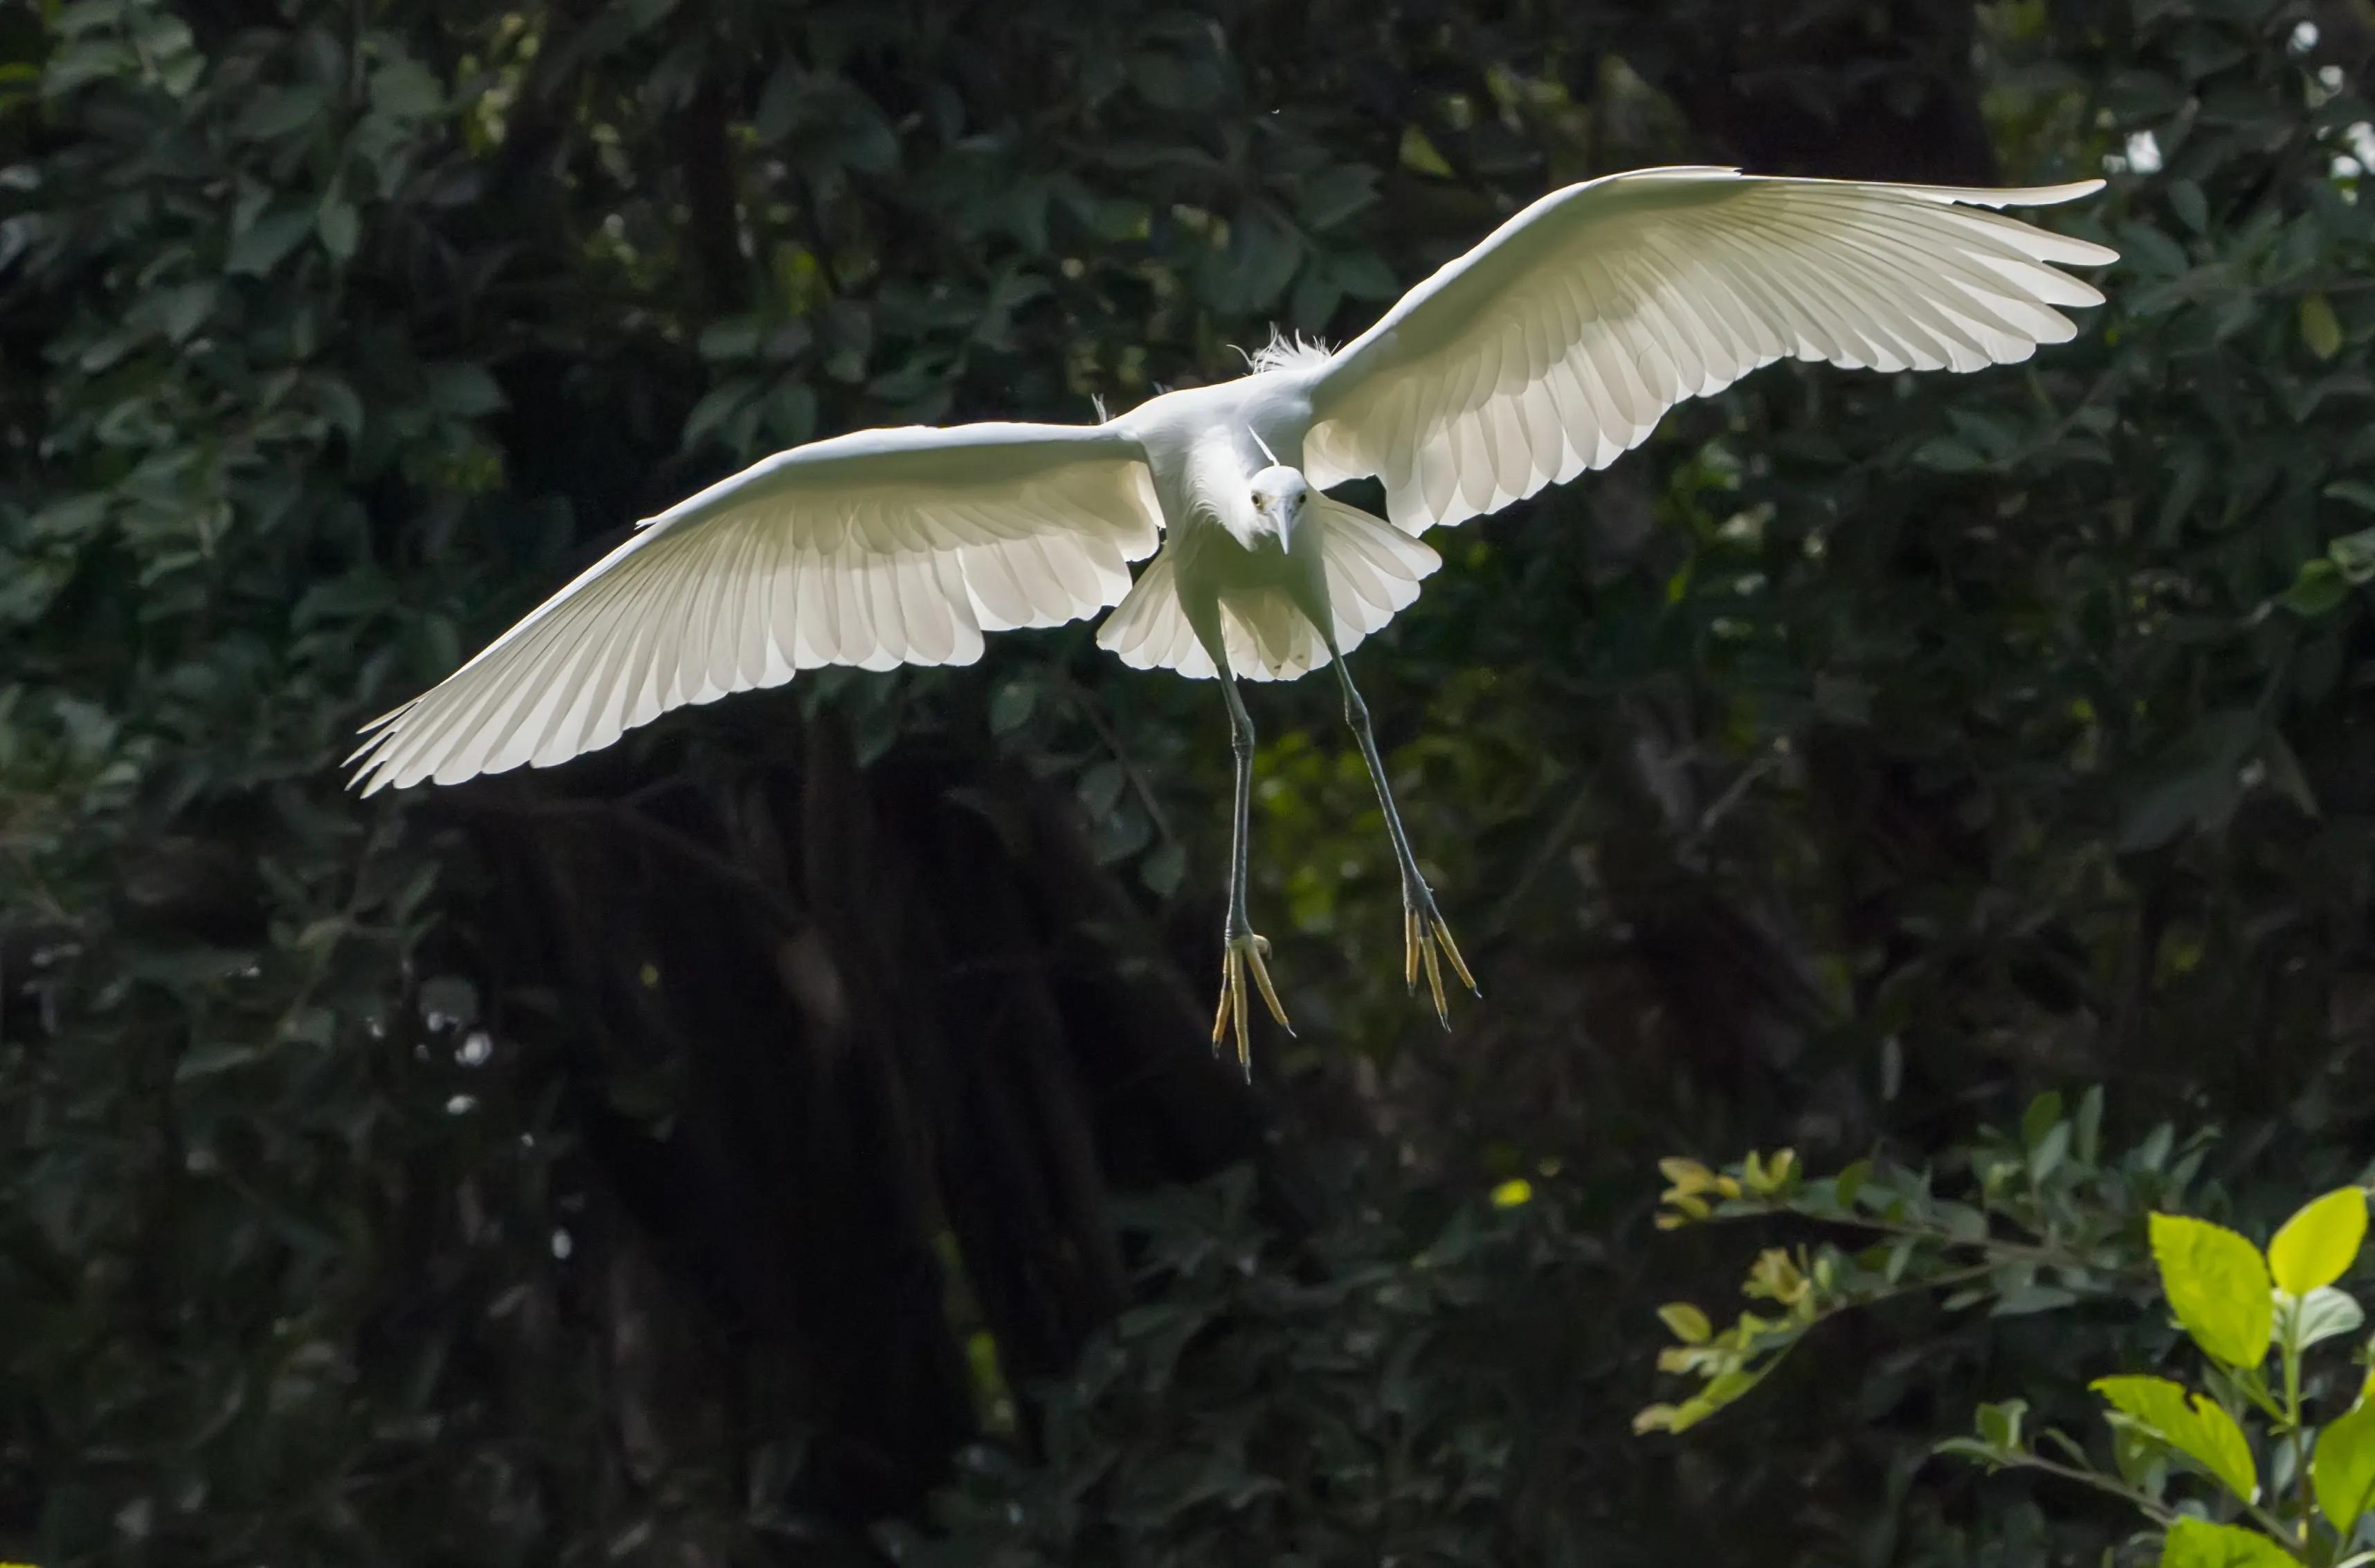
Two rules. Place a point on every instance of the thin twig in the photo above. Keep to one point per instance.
(2024, 1250)
(2158, 1513)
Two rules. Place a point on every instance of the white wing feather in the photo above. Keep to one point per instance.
(877, 549)
(1558, 344)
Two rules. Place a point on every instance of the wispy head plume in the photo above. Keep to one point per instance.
(1287, 353)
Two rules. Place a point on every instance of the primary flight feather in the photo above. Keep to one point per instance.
(1553, 347)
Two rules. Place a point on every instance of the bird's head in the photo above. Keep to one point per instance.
(1281, 495)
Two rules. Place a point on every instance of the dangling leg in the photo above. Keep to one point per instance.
(1423, 930)
(1242, 951)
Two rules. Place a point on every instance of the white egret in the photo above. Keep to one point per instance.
(1551, 347)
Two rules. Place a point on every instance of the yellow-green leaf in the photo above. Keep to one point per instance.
(1688, 1323)
(1688, 1175)
(2217, 1284)
(1418, 154)
(2198, 1543)
(1515, 1192)
(2195, 1426)
(2000, 1424)
(2342, 1471)
(2319, 328)
(1670, 1417)
(2318, 1244)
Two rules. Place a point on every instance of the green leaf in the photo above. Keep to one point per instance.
(2151, 252)
(1314, 299)
(2342, 1471)
(1335, 193)
(2032, 1298)
(1688, 1323)
(2198, 1543)
(1010, 705)
(277, 112)
(463, 390)
(1165, 869)
(2318, 327)
(2218, 1286)
(2319, 1244)
(2000, 1424)
(2193, 1425)
(204, 1061)
(1419, 154)
(1263, 256)
(2357, 493)
(273, 236)
(338, 404)
(184, 309)
(735, 337)
(336, 224)
(1949, 456)
(82, 63)
(779, 104)
(2197, 784)
(2047, 1155)
(2318, 587)
(718, 405)
(1978, 1448)
(2354, 555)
(1100, 788)
(85, 16)
(1365, 276)
(790, 412)
(404, 89)
(2324, 1312)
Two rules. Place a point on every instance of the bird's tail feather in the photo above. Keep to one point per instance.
(1374, 570)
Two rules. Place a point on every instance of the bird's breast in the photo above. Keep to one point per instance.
(1214, 560)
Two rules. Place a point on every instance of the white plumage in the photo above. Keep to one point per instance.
(879, 549)
(1557, 345)
(1373, 570)
(1554, 346)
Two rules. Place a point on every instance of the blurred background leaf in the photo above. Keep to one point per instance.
(789, 1136)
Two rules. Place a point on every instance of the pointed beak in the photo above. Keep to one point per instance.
(1280, 515)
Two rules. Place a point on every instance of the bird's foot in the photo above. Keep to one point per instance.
(1427, 944)
(1242, 955)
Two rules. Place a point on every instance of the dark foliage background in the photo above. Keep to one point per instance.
(763, 1143)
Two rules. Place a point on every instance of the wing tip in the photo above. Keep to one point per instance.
(372, 772)
(2014, 195)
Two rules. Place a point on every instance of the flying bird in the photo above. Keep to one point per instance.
(1551, 347)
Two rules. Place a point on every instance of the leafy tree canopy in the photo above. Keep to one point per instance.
(789, 1136)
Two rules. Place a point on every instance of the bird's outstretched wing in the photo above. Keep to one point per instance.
(1558, 344)
(877, 549)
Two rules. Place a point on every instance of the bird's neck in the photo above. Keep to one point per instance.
(1218, 469)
